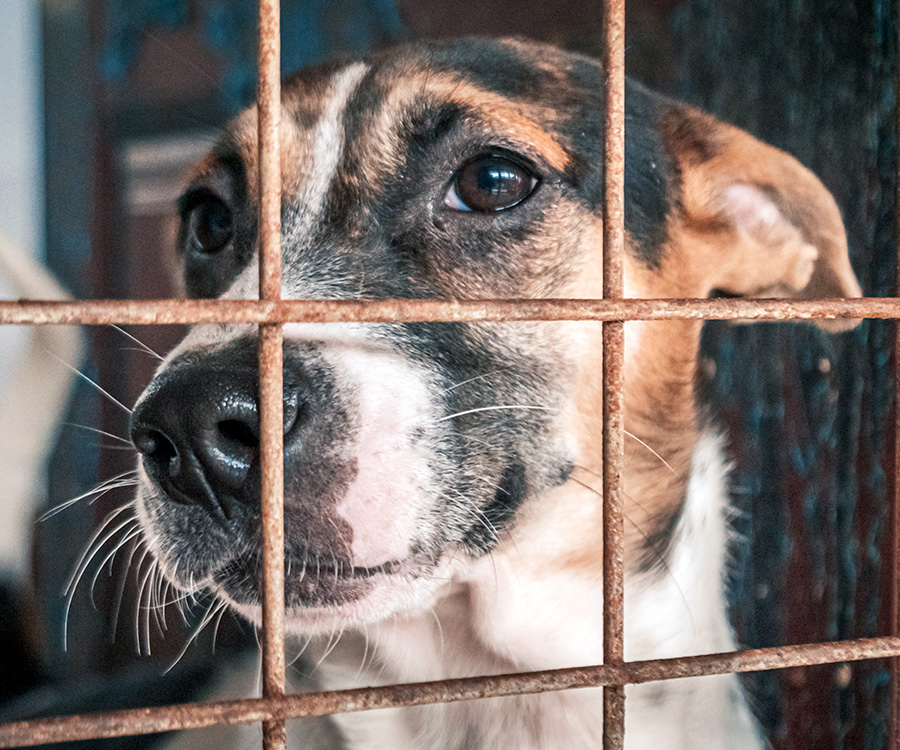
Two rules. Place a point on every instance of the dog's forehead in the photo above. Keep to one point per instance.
(370, 147)
(526, 93)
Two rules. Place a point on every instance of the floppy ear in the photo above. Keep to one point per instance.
(765, 226)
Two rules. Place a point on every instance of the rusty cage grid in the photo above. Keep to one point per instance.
(270, 312)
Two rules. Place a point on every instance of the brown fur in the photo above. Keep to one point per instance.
(804, 256)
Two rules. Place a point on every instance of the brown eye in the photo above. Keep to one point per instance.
(489, 183)
(210, 225)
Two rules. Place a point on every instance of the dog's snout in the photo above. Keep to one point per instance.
(198, 432)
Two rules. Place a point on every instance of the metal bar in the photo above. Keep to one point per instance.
(171, 312)
(271, 394)
(613, 358)
(271, 405)
(269, 114)
(198, 715)
(613, 532)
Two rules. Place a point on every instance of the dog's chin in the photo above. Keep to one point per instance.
(322, 601)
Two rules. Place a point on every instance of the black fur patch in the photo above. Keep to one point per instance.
(657, 547)
(511, 492)
(650, 190)
(208, 275)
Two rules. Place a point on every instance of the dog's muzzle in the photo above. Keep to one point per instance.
(197, 430)
(359, 483)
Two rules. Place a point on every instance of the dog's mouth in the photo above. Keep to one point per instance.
(310, 580)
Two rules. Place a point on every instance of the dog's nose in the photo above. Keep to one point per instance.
(198, 432)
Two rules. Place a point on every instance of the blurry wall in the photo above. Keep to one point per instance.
(21, 208)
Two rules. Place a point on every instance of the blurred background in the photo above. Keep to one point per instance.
(106, 102)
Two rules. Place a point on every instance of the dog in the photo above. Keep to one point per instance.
(442, 503)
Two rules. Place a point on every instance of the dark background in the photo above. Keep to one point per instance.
(135, 88)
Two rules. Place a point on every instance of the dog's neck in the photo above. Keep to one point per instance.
(662, 430)
(495, 614)
(521, 609)
(536, 601)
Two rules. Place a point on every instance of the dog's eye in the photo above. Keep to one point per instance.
(210, 225)
(489, 183)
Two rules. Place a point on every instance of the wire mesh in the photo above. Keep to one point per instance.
(275, 707)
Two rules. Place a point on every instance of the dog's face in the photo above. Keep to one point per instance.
(463, 170)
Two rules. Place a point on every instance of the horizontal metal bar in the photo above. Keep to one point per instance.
(159, 312)
(198, 715)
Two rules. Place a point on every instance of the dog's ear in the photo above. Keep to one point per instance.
(755, 220)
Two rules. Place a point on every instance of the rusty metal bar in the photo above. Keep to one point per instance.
(271, 395)
(198, 715)
(165, 312)
(269, 143)
(271, 405)
(613, 359)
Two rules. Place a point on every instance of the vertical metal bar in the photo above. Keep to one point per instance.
(613, 356)
(270, 366)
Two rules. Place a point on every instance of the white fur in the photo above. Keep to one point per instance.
(327, 152)
(384, 503)
(327, 149)
(498, 618)
(389, 497)
(683, 613)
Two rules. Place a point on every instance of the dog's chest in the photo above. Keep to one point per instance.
(509, 617)
(458, 640)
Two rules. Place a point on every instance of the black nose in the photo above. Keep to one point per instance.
(197, 429)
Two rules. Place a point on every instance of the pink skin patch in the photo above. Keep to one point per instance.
(387, 500)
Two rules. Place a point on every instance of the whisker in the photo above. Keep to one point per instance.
(99, 432)
(137, 606)
(141, 344)
(136, 542)
(215, 633)
(365, 656)
(505, 407)
(472, 380)
(89, 549)
(147, 585)
(333, 641)
(660, 557)
(127, 479)
(152, 608)
(214, 607)
(299, 653)
(534, 407)
(161, 605)
(95, 544)
(110, 557)
(88, 380)
(664, 462)
(440, 628)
